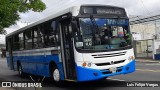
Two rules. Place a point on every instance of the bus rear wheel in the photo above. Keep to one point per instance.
(20, 70)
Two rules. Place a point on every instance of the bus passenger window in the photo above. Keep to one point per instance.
(46, 31)
(28, 39)
(50, 34)
(21, 41)
(15, 42)
(35, 44)
(38, 38)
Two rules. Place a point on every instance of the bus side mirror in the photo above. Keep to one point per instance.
(74, 26)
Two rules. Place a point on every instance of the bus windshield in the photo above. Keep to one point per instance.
(103, 34)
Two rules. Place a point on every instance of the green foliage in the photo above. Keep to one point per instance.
(10, 9)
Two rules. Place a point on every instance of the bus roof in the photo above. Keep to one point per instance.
(45, 19)
(100, 5)
(74, 10)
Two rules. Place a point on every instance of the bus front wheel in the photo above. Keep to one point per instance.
(56, 75)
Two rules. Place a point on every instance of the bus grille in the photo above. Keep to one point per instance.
(108, 55)
(108, 63)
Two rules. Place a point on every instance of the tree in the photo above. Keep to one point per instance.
(10, 10)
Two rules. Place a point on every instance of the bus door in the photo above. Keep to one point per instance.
(67, 51)
(10, 47)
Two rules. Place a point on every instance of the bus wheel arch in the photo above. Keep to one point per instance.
(19, 68)
(18, 64)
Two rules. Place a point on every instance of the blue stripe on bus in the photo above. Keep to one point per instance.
(37, 65)
(87, 74)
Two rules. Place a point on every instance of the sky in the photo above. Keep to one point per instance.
(132, 7)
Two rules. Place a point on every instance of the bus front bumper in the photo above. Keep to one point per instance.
(87, 74)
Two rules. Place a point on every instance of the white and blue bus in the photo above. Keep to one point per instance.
(81, 43)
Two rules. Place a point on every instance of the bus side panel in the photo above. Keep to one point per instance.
(15, 62)
(41, 65)
(22, 60)
(34, 64)
(38, 65)
(8, 61)
(45, 67)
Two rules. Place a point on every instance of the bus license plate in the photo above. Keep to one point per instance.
(113, 69)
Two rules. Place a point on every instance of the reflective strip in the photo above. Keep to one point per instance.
(34, 52)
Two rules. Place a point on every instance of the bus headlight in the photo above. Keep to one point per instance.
(84, 64)
(131, 58)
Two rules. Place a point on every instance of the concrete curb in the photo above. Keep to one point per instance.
(149, 61)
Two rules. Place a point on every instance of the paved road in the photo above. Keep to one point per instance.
(146, 71)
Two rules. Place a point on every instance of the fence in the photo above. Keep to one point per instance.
(143, 48)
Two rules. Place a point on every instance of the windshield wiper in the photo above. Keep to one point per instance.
(94, 22)
(96, 28)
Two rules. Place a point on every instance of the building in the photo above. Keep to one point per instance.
(146, 36)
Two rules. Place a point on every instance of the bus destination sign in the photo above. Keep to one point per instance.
(102, 10)
(109, 11)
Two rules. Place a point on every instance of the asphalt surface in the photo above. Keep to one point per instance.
(146, 71)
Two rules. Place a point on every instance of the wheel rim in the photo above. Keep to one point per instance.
(56, 75)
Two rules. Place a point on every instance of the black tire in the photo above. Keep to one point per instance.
(20, 70)
(55, 76)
